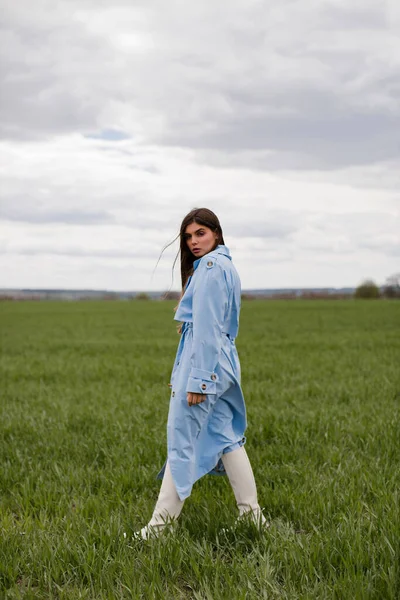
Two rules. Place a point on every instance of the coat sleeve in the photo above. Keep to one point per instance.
(210, 300)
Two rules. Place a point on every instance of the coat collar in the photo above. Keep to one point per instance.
(220, 249)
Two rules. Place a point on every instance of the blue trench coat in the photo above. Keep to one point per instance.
(206, 362)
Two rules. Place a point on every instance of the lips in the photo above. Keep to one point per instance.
(196, 250)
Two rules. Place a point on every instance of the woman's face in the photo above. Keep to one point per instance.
(200, 239)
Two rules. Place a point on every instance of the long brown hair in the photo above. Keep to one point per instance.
(202, 216)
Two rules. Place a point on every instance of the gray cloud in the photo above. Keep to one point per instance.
(46, 69)
(137, 213)
(326, 142)
(364, 16)
(390, 247)
(23, 212)
(273, 225)
(73, 251)
(351, 232)
(322, 98)
(301, 85)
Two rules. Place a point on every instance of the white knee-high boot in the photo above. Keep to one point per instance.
(168, 505)
(167, 508)
(238, 468)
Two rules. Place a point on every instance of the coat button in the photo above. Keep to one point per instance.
(173, 394)
(213, 377)
(210, 263)
(204, 387)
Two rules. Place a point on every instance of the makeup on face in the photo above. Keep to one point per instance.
(199, 238)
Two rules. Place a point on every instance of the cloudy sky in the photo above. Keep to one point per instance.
(118, 117)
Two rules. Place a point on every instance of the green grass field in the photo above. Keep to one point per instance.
(84, 403)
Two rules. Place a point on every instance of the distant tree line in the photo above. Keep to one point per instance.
(369, 290)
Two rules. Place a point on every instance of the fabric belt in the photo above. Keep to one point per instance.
(189, 325)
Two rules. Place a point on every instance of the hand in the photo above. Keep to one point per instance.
(194, 398)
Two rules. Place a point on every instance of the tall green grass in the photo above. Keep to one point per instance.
(84, 403)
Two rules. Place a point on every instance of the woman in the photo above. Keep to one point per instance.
(207, 414)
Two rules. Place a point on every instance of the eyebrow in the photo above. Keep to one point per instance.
(197, 231)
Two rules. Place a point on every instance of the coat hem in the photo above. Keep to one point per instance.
(217, 470)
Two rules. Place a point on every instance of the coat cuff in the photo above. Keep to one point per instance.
(202, 382)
